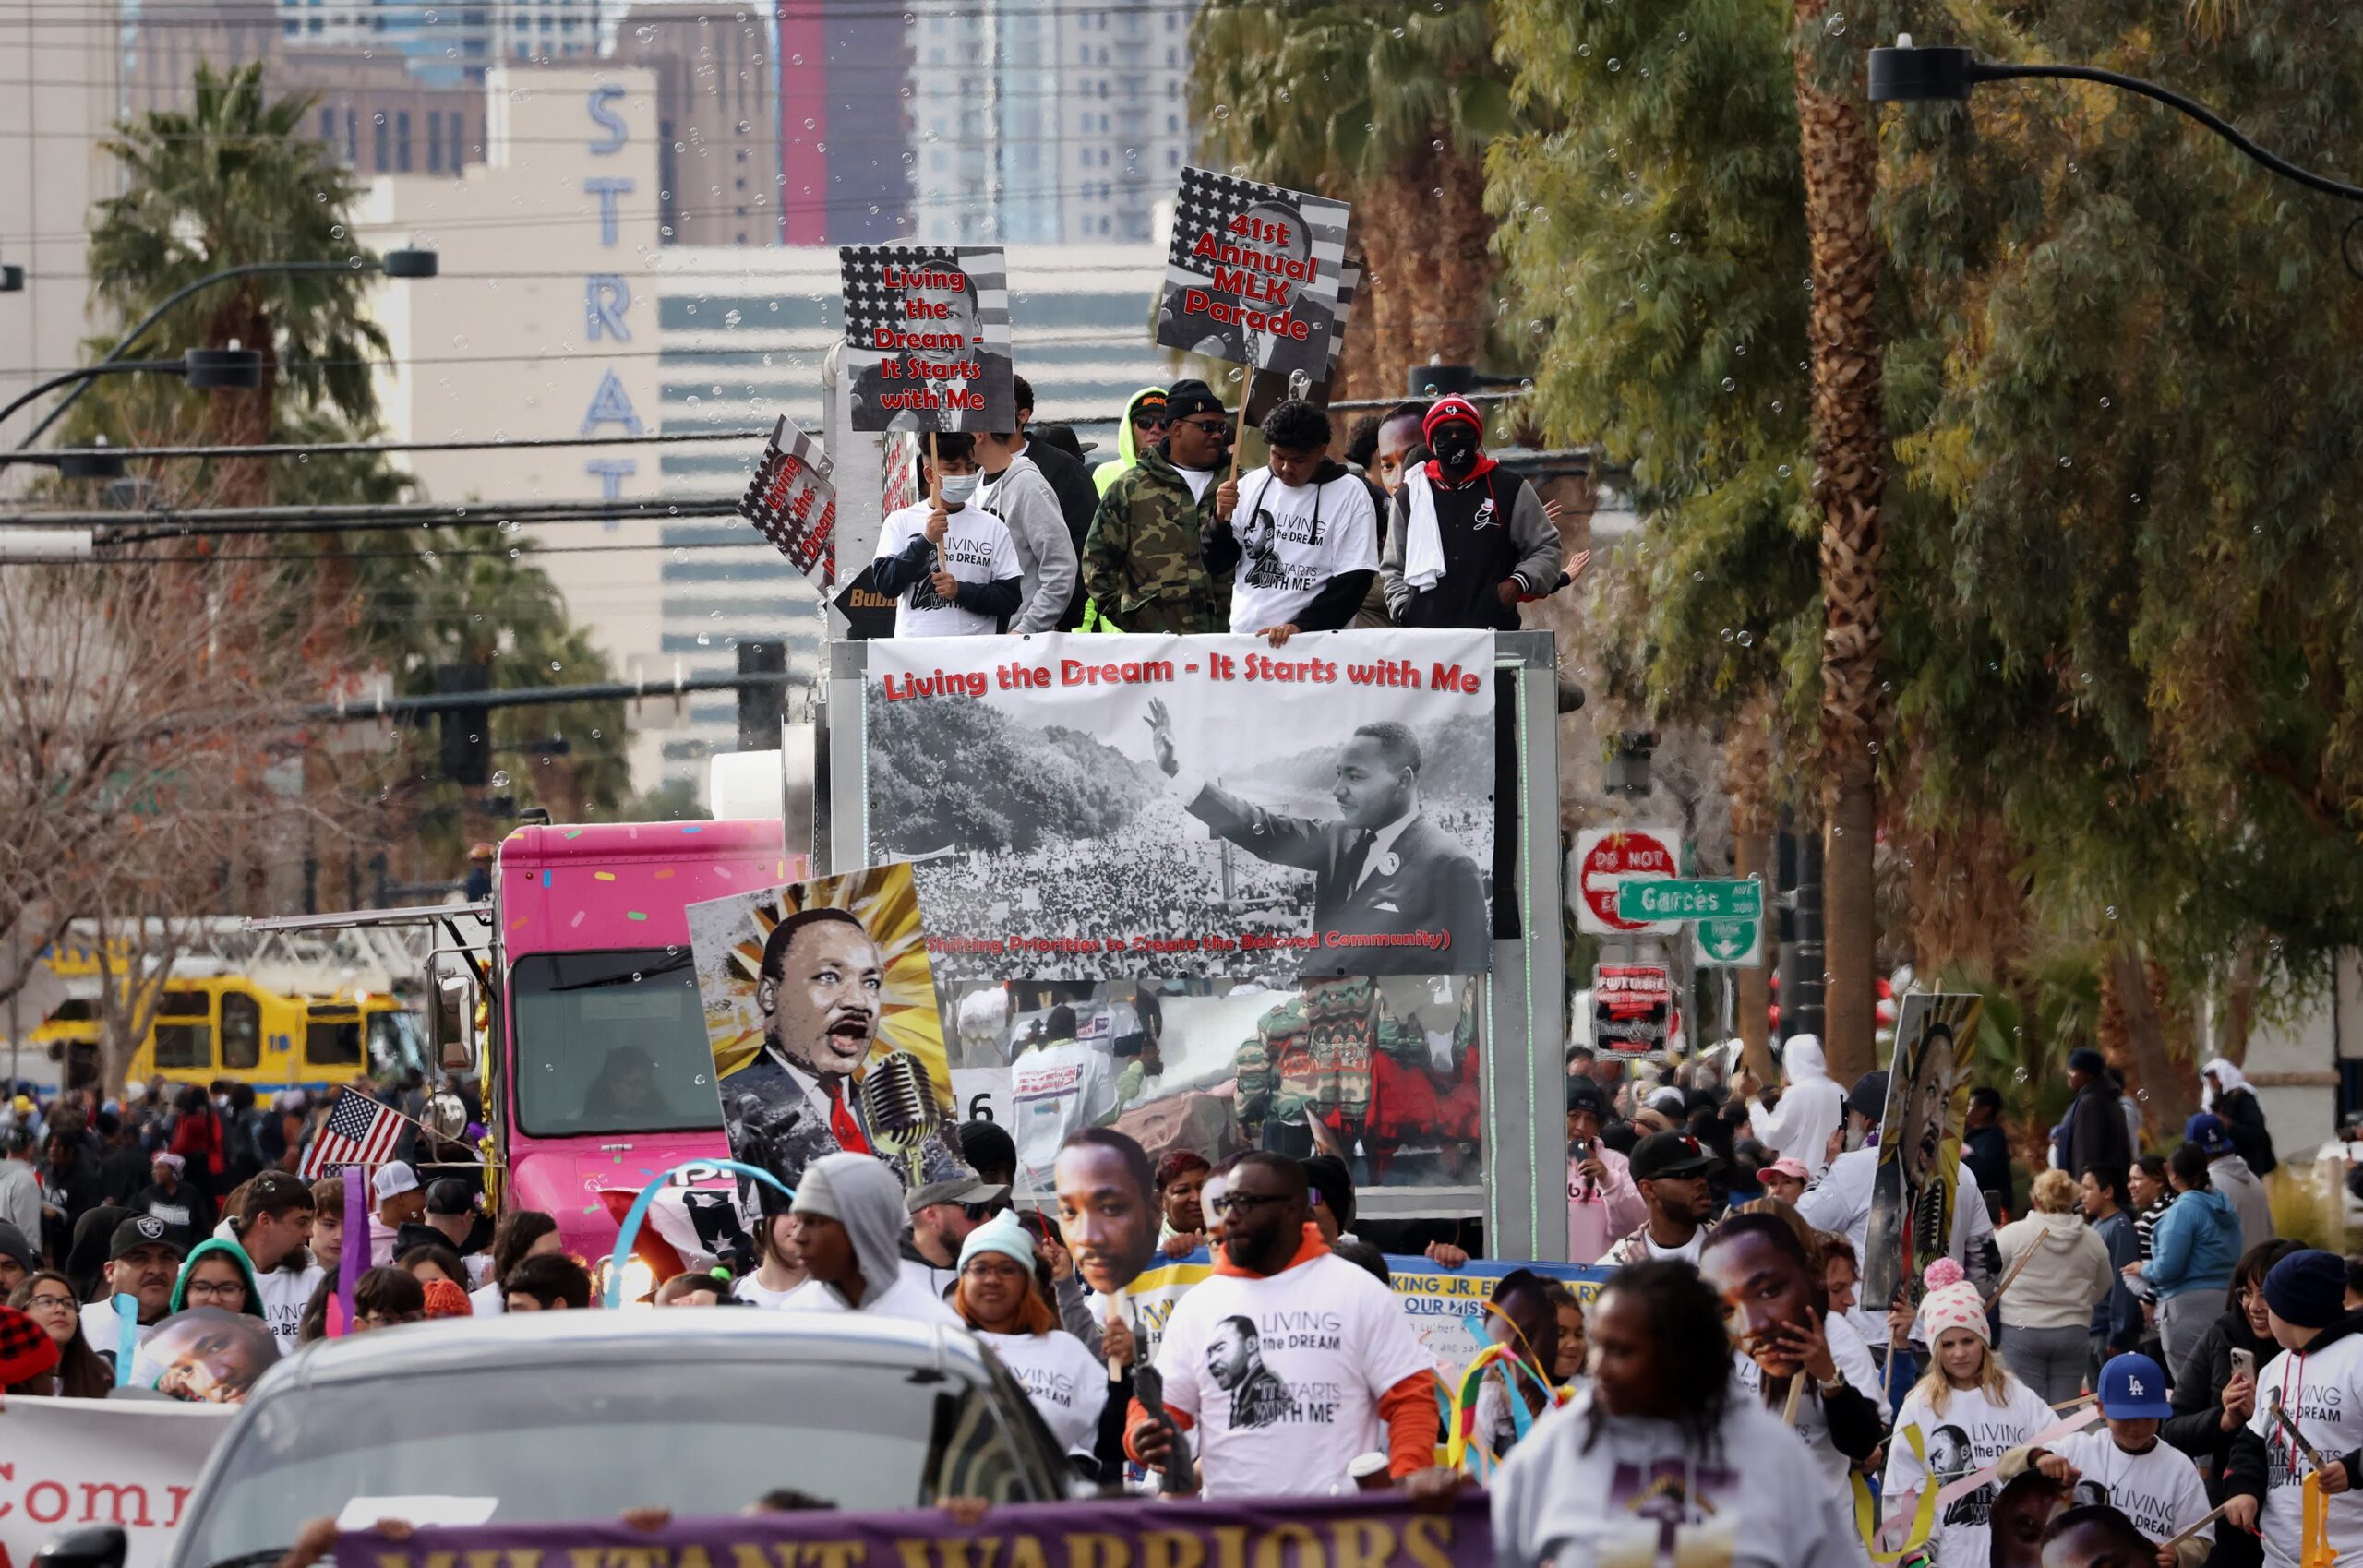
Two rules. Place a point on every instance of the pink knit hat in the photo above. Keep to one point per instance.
(1956, 1305)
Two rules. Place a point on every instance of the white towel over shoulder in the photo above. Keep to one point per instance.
(1424, 542)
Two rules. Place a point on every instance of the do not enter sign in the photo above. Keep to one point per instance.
(1607, 857)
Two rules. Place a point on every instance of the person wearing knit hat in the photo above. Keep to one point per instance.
(447, 1300)
(1466, 539)
(1142, 561)
(1969, 1411)
(2317, 1383)
(27, 1354)
(1001, 1296)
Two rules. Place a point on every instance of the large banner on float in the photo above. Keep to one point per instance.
(75, 1463)
(1088, 807)
(1367, 1531)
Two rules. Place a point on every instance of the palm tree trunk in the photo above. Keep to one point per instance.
(1747, 776)
(1848, 421)
(1464, 234)
(1393, 289)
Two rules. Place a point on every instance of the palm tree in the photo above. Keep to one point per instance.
(227, 182)
(1391, 110)
(1841, 163)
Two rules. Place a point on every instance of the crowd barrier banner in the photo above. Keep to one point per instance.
(65, 1464)
(1267, 1533)
(1100, 807)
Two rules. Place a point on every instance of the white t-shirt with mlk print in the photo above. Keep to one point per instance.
(976, 548)
(1968, 1435)
(1283, 1376)
(2322, 1391)
(2159, 1490)
(1292, 540)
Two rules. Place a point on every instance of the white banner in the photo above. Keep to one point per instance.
(1096, 808)
(68, 1462)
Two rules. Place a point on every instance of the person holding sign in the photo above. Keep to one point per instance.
(1143, 563)
(1467, 540)
(1304, 547)
(951, 567)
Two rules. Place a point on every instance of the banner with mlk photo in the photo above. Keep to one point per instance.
(1092, 808)
(1912, 1191)
(820, 1005)
(1253, 274)
(926, 338)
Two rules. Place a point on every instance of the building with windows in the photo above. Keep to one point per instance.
(1038, 123)
(717, 133)
(845, 124)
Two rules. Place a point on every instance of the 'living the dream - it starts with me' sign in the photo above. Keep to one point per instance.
(926, 338)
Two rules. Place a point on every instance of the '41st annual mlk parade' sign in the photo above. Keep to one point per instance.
(1253, 274)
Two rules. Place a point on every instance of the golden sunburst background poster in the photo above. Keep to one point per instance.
(821, 1009)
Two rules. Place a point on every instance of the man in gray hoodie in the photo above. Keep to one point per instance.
(1015, 492)
(849, 1217)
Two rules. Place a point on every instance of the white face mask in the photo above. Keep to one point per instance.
(958, 488)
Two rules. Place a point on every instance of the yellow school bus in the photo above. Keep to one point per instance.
(231, 1028)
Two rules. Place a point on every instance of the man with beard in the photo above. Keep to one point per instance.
(1670, 1170)
(1332, 1338)
(1383, 872)
(143, 1260)
(1141, 561)
(819, 988)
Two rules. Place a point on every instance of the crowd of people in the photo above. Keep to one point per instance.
(2125, 1372)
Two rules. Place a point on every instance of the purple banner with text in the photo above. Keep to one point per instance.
(1381, 1532)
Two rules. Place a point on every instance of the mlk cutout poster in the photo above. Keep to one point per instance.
(1912, 1191)
(1095, 807)
(820, 1006)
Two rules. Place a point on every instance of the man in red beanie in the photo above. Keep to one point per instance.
(1466, 539)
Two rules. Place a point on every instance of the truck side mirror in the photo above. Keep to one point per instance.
(453, 997)
(94, 1546)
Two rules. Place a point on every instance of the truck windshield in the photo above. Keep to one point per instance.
(611, 1042)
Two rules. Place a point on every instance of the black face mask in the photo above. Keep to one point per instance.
(1455, 445)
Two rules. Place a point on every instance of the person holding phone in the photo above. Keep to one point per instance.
(2214, 1394)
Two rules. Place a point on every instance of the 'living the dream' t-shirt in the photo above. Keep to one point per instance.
(1292, 540)
(1968, 1435)
(1068, 1388)
(976, 548)
(1056, 1090)
(2159, 1490)
(285, 1293)
(1284, 1375)
(2322, 1391)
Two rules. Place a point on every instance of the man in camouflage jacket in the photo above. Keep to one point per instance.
(1141, 561)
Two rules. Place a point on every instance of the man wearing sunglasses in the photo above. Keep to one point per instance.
(942, 1214)
(1289, 1360)
(1144, 424)
(1143, 562)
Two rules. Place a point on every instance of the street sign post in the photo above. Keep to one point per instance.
(1608, 859)
(1691, 898)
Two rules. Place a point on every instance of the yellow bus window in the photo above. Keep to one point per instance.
(332, 1042)
(183, 1031)
(241, 1030)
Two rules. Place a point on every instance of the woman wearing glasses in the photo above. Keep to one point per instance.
(48, 1299)
(217, 1274)
(1000, 1296)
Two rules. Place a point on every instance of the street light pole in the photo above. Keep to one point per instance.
(1910, 74)
(393, 264)
(204, 369)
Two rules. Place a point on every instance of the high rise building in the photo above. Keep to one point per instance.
(845, 122)
(717, 135)
(1039, 123)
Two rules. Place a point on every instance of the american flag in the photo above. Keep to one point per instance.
(792, 504)
(358, 1132)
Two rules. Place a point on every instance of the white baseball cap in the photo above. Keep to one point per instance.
(392, 1180)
